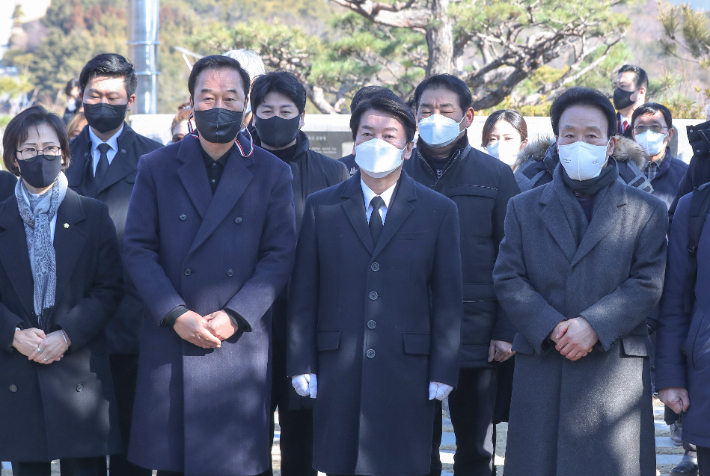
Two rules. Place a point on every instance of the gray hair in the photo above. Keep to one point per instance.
(248, 60)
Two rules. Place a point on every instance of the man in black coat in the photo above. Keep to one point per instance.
(104, 166)
(279, 103)
(7, 185)
(375, 305)
(699, 168)
(481, 187)
(630, 87)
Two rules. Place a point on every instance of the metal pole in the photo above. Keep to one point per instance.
(143, 26)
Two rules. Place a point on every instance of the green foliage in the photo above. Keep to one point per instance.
(687, 33)
(13, 86)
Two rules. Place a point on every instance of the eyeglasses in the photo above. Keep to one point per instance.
(655, 128)
(31, 153)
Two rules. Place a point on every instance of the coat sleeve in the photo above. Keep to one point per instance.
(618, 313)
(304, 291)
(674, 323)
(503, 329)
(527, 309)
(685, 187)
(343, 173)
(141, 247)
(447, 302)
(8, 323)
(277, 250)
(89, 317)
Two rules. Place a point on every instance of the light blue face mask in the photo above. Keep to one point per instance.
(439, 131)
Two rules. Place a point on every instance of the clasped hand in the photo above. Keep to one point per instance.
(206, 332)
(574, 338)
(40, 347)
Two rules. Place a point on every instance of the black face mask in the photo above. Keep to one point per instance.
(105, 117)
(276, 131)
(622, 99)
(217, 125)
(41, 171)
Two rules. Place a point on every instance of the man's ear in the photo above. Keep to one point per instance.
(611, 147)
(407, 154)
(470, 113)
(131, 101)
(671, 133)
(302, 121)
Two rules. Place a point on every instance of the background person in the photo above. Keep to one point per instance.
(104, 166)
(180, 127)
(505, 135)
(60, 284)
(254, 66)
(279, 102)
(76, 125)
(74, 104)
(630, 88)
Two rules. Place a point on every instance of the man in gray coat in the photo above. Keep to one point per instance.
(578, 271)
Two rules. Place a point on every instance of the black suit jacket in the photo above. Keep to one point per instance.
(376, 323)
(123, 331)
(64, 409)
(7, 185)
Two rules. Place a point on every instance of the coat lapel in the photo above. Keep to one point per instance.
(194, 175)
(121, 165)
(606, 216)
(15, 256)
(554, 219)
(235, 179)
(400, 209)
(354, 208)
(69, 239)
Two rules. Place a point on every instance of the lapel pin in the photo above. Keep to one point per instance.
(66, 225)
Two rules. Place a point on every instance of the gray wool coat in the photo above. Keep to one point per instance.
(593, 416)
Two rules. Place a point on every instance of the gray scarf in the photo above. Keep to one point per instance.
(37, 214)
(596, 187)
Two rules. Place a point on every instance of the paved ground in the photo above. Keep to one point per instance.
(667, 455)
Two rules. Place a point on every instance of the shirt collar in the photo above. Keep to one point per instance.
(369, 194)
(112, 142)
(208, 159)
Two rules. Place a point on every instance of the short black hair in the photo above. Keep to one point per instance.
(640, 76)
(652, 108)
(281, 82)
(17, 131)
(445, 81)
(71, 84)
(511, 117)
(581, 96)
(386, 103)
(111, 65)
(367, 92)
(214, 62)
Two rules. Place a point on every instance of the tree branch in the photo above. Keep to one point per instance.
(398, 15)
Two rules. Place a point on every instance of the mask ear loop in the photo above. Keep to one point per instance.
(251, 143)
(189, 125)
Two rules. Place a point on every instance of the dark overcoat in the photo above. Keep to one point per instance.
(65, 409)
(376, 324)
(7, 185)
(481, 186)
(312, 172)
(593, 416)
(683, 340)
(206, 412)
(123, 332)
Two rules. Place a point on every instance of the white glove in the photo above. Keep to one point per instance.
(438, 390)
(305, 385)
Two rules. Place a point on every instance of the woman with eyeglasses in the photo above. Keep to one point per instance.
(652, 129)
(60, 283)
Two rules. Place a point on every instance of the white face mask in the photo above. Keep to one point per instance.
(378, 158)
(583, 161)
(506, 151)
(651, 142)
(439, 131)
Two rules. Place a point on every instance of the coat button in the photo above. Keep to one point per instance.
(375, 266)
(79, 388)
(371, 324)
(183, 217)
(370, 353)
(13, 388)
(238, 220)
(373, 295)
(188, 272)
(230, 272)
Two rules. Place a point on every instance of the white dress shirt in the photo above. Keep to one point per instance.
(369, 195)
(96, 153)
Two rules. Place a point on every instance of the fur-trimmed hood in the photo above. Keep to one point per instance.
(624, 150)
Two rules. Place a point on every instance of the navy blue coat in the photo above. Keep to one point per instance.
(376, 324)
(65, 409)
(683, 341)
(123, 332)
(206, 412)
(667, 180)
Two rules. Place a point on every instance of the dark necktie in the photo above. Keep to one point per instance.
(376, 219)
(102, 166)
